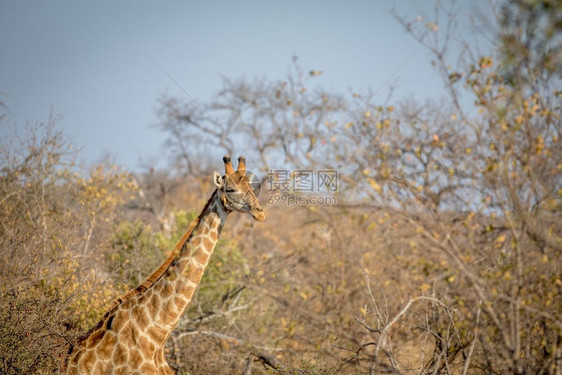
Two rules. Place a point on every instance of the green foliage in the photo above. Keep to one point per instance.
(181, 220)
(135, 253)
(222, 277)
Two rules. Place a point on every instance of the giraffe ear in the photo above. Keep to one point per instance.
(218, 180)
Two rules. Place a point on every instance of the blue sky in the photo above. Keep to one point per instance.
(93, 63)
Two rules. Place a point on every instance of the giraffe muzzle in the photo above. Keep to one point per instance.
(258, 214)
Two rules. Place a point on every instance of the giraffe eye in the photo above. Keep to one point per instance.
(230, 190)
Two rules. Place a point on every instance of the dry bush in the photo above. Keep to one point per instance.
(443, 254)
(53, 228)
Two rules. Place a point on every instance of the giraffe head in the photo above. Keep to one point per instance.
(235, 190)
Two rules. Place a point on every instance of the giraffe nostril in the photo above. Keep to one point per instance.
(259, 209)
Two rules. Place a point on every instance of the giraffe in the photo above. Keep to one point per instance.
(130, 338)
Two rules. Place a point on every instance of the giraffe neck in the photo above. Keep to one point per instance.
(135, 330)
(166, 300)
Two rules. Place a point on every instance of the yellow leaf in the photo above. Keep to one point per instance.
(225, 345)
(375, 186)
(432, 26)
(486, 62)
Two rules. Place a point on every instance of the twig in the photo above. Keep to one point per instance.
(473, 343)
